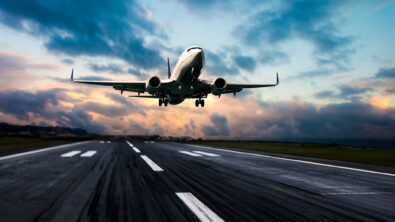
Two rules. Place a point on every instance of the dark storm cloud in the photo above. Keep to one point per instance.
(112, 68)
(333, 121)
(343, 92)
(45, 104)
(386, 73)
(245, 62)
(308, 20)
(219, 126)
(82, 27)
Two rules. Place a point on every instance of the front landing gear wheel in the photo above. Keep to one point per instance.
(160, 102)
(202, 103)
(196, 103)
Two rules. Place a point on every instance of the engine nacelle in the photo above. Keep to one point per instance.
(152, 85)
(218, 86)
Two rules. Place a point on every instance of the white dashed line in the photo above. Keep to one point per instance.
(299, 161)
(101, 141)
(151, 163)
(71, 153)
(89, 153)
(198, 208)
(42, 150)
(152, 141)
(205, 153)
(108, 141)
(145, 141)
(133, 147)
(189, 153)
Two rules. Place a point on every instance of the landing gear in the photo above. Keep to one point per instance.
(199, 102)
(163, 101)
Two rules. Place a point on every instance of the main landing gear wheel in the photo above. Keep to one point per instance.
(160, 102)
(165, 101)
(199, 102)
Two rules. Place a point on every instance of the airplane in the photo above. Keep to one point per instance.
(183, 83)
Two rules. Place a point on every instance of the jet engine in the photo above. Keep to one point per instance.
(218, 86)
(152, 85)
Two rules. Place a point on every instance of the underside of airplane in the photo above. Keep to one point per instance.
(183, 83)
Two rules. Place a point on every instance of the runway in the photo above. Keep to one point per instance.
(133, 180)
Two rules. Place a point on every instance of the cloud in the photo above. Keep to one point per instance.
(74, 27)
(45, 105)
(386, 73)
(245, 62)
(309, 20)
(219, 126)
(112, 68)
(219, 64)
(344, 92)
(301, 120)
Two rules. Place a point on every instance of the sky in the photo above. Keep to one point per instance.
(335, 59)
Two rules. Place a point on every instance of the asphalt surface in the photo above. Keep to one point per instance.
(158, 181)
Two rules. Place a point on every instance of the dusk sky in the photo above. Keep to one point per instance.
(335, 59)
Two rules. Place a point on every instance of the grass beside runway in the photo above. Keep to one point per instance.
(16, 144)
(385, 157)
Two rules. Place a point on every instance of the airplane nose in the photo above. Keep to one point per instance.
(199, 57)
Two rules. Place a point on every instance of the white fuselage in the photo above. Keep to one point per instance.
(186, 74)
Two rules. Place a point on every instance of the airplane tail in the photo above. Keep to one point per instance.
(168, 69)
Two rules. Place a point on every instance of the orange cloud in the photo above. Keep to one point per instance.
(380, 102)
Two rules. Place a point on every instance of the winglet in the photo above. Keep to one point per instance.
(277, 80)
(72, 75)
(168, 68)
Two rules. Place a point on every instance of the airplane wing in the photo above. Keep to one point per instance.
(136, 86)
(233, 88)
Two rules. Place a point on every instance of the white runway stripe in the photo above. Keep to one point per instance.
(205, 153)
(71, 153)
(88, 153)
(136, 149)
(189, 153)
(151, 163)
(198, 208)
(42, 150)
(108, 141)
(101, 141)
(133, 147)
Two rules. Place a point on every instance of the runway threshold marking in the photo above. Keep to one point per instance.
(151, 163)
(42, 150)
(89, 153)
(198, 208)
(206, 154)
(71, 153)
(299, 161)
(133, 147)
(189, 153)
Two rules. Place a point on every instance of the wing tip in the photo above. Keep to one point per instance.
(72, 74)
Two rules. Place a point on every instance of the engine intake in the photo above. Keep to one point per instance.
(218, 86)
(152, 85)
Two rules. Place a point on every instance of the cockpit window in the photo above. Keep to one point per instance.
(193, 48)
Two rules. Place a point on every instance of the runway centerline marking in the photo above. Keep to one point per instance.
(108, 141)
(71, 153)
(133, 147)
(101, 141)
(189, 153)
(198, 208)
(42, 150)
(206, 154)
(89, 153)
(151, 163)
(299, 161)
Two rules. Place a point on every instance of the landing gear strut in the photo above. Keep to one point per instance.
(199, 102)
(163, 101)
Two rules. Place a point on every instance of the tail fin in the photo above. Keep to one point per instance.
(168, 69)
